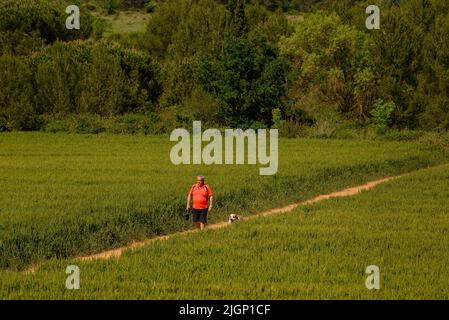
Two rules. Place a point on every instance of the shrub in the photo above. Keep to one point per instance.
(200, 105)
(290, 129)
(90, 6)
(98, 27)
(93, 124)
(41, 18)
(247, 77)
(330, 66)
(111, 6)
(16, 104)
(382, 114)
(96, 78)
(76, 78)
(277, 118)
(185, 28)
(150, 7)
(19, 43)
(129, 4)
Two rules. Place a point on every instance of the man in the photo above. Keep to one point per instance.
(200, 192)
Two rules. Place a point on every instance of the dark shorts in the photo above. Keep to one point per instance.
(200, 215)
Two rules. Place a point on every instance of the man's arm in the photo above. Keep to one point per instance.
(189, 198)
(188, 201)
(211, 202)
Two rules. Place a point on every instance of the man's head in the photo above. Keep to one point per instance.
(200, 180)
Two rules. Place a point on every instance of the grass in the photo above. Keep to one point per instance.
(126, 22)
(122, 22)
(318, 251)
(67, 195)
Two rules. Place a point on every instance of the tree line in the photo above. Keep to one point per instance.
(230, 63)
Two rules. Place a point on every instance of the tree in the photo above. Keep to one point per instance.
(42, 19)
(331, 69)
(247, 78)
(237, 24)
(16, 104)
(182, 29)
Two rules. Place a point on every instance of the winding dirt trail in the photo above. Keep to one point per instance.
(115, 253)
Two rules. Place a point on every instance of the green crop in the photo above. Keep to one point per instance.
(67, 195)
(318, 251)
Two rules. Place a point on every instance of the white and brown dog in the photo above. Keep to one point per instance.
(234, 217)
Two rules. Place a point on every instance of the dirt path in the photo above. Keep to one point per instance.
(114, 253)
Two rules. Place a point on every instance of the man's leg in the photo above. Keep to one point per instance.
(196, 218)
(203, 218)
(201, 225)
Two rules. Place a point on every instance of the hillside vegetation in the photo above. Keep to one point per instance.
(227, 63)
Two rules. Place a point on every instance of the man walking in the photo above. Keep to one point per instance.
(201, 193)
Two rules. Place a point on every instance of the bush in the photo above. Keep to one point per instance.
(291, 129)
(129, 4)
(438, 138)
(98, 27)
(277, 118)
(16, 103)
(200, 105)
(3, 125)
(248, 78)
(41, 18)
(89, 124)
(96, 78)
(179, 81)
(402, 135)
(90, 6)
(129, 40)
(76, 78)
(111, 6)
(181, 29)
(150, 7)
(131, 123)
(331, 69)
(19, 43)
(382, 114)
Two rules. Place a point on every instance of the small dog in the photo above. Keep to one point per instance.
(234, 217)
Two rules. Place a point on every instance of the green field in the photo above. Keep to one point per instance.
(317, 251)
(69, 195)
(91, 90)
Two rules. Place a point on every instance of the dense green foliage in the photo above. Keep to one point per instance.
(76, 78)
(318, 251)
(222, 52)
(247, 78)
(332, 67)
(65, 195)
(409, 58)
(230, 63)
(284, 5)
(24, 23)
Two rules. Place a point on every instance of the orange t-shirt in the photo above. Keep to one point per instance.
(200, 195)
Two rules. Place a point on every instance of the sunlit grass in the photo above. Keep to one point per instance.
(66, 195)
(318, 251)
(126, 22)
